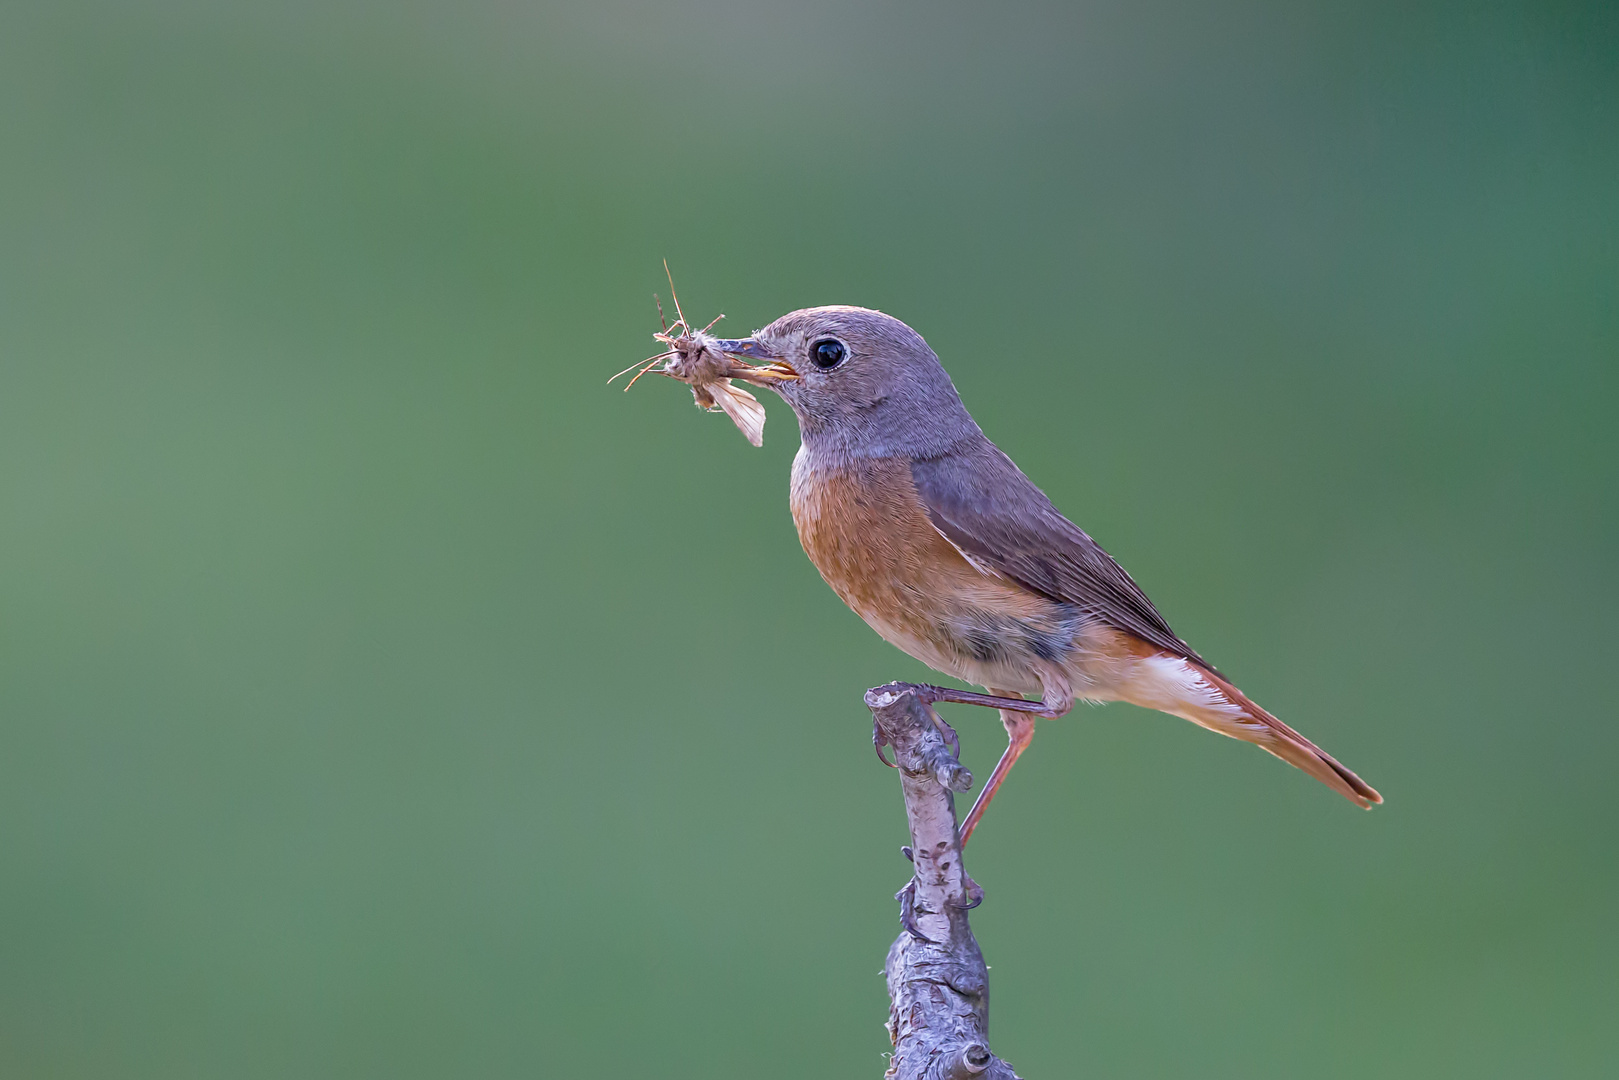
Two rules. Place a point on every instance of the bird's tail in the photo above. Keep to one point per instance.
(1186, 689)
(1298, 751)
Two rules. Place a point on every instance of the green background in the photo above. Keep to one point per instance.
(381, 695)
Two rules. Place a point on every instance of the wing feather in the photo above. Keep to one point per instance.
(997, 518)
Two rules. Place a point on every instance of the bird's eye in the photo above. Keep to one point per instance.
(827, 354)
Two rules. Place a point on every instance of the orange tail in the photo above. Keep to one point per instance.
(1298, 751)
(1184, 688)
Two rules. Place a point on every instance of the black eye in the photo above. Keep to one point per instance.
(827, 354)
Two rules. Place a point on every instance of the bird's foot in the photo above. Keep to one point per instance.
(907, 912)
(878, 741)
(933, 694)
(951, 739)
(907, 902)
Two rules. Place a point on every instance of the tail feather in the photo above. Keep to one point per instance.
(1187, 689)
(1298, 751)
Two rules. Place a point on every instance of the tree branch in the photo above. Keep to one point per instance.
(938, 987)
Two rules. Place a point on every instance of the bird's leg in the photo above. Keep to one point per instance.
(1016, 714)
(1019, 733)
(932, 694)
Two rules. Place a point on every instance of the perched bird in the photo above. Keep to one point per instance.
(936, 539)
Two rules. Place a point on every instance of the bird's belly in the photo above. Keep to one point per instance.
(866, 531)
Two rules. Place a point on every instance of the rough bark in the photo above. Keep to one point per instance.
(938, 987)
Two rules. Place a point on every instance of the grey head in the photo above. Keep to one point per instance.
(862, 383)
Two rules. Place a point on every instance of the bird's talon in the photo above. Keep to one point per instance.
(907, 912)
(951, 739)
(878, 742)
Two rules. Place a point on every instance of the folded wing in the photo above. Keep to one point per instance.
(999, 520)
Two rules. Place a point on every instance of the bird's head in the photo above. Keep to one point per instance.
(860, 382)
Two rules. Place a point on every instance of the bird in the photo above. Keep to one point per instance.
(931, 534)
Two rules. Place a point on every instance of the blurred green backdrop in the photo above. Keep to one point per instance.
(383, 696)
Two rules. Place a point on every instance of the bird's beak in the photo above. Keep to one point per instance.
(774, 368)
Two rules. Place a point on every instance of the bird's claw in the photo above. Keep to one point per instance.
(878, 741)
(907, 912)
(975, 894)
(951, 739)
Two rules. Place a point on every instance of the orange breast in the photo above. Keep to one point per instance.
(867, 532)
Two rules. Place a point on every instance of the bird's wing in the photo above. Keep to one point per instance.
(996, 517)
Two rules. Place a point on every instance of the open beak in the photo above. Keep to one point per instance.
(773, 368)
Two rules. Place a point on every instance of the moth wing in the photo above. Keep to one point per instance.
(743, 409)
